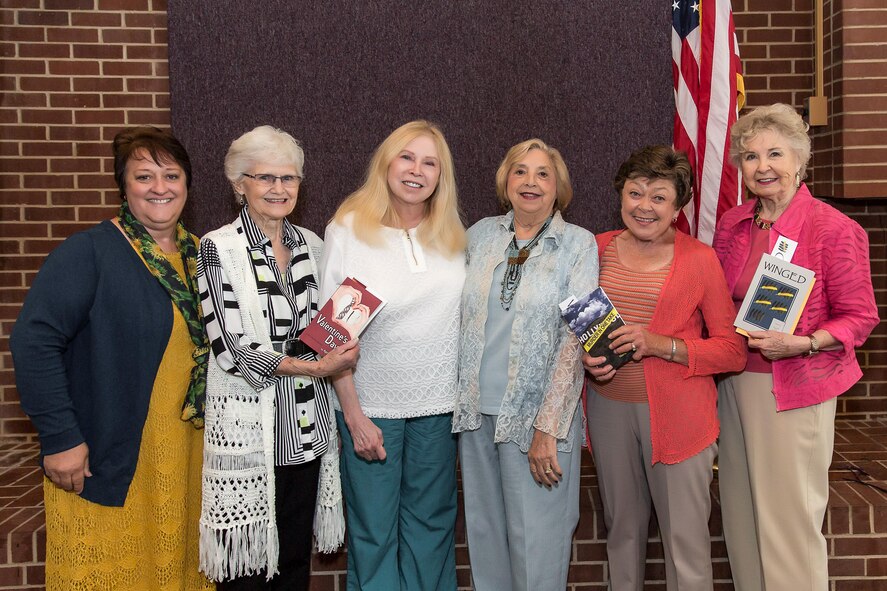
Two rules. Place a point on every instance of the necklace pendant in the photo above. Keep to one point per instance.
(522, 256)
(516, 257)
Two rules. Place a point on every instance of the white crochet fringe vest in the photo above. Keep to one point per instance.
(238, 532)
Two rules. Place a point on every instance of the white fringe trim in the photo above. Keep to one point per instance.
(236, 552)
(329, 528)
(329, 516)
(222, 461)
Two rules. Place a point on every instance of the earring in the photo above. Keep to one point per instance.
(797, 179)
(241, 198)
(674, 220)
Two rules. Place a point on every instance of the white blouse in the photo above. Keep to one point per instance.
(409, 352)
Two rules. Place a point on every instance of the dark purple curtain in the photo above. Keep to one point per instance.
(590, 77)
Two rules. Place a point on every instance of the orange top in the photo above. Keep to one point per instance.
(694, 300)
(634, 295)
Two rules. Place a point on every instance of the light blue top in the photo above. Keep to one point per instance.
(544, 372)
(497, 334)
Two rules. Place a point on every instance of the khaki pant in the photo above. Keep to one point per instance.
(773, 478)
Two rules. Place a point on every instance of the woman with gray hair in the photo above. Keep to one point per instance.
(270, 434)
(777, 416)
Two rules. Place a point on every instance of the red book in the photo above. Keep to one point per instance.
(343, 317)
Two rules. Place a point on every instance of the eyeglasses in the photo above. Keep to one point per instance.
(268, 180)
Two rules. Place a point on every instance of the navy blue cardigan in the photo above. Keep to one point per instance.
(86, 348)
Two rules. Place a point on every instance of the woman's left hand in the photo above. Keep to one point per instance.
(635, 338)
(777, 345)
(543, 459)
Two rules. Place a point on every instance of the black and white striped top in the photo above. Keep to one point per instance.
(288, 304)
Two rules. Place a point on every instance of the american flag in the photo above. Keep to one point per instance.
(708, 91)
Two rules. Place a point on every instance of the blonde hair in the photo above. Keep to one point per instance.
(562, 176)
(778, 118)
(371, 207)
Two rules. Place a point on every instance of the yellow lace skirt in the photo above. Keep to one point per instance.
(151, 542)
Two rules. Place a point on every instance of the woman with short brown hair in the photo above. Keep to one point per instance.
(110, 360)
(653, 422)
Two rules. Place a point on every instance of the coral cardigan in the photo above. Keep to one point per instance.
(683, 400)
(842, 301)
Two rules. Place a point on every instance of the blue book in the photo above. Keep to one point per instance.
(592, 318)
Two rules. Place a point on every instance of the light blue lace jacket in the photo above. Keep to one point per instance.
(544, 368)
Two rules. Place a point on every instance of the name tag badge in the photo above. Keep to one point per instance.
(784, 249)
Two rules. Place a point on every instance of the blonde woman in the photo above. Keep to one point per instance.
(400, 233)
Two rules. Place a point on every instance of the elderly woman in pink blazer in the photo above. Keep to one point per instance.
(777, 416)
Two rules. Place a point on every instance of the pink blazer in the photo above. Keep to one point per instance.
(842, 301)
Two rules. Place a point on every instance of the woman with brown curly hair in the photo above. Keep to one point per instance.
(653, 422)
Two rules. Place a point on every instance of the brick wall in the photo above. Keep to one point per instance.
(776, 46)
(851, 151)
(73, 72)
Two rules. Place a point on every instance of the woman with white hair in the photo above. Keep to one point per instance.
(270, 435)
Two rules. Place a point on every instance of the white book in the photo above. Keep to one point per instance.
(776, 296)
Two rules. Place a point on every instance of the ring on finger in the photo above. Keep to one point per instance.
(634, 348)
(548, 470)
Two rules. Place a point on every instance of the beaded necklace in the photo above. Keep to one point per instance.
(515, 258)
(759, 221)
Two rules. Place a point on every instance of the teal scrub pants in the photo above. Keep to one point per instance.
(401, 512)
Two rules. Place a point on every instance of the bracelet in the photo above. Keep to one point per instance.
(814, 345)
(674, 349)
